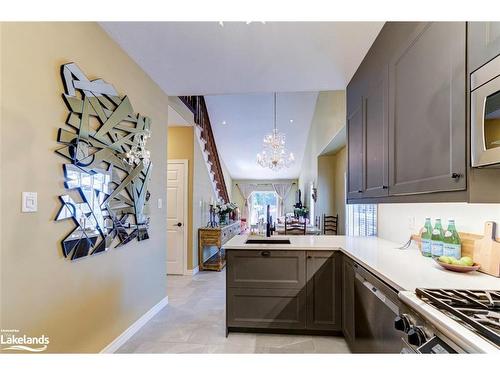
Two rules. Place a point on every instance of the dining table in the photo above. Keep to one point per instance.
(310, 229)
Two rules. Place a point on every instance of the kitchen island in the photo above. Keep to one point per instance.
(330, 285)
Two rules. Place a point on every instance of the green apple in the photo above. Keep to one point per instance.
(467, 261)
(455, 261)
(444, 259)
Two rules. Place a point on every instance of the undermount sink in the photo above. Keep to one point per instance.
(268, 241)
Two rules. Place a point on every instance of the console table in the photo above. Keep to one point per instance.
(211, 255)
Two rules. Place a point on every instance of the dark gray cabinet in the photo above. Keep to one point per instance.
(282, 289)
(355, 139)
(266, 308)
(376, 170)
(266, 269)
(427, 150)
(483, 43)
(348, 300)
(323, 290)
(406, 118)
(367, 134)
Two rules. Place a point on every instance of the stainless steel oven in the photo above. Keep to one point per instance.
(485, 115)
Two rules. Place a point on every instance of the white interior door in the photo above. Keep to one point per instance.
(176, 217)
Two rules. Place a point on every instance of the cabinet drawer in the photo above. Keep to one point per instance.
(266, 269)
(266, 308)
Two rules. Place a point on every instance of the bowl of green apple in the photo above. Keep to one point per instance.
(464, 264)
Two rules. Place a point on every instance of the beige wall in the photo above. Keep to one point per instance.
(328, 119)
(83, 305)
(203, 193)
(181, 146)
(339, 187)
(331, 186)
(325, 203)
(227, 179)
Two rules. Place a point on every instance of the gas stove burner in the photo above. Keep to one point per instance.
(479, 309)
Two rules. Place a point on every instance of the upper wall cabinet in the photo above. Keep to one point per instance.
(411, 135)
(484, 43)
(355, 139)
(427, 111)
(376, 131)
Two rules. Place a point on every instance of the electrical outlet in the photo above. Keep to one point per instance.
(411, 222)
(29, 201)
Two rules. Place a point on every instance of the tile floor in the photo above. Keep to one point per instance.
(193, 322)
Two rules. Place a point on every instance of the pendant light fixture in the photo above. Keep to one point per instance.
(274, 155)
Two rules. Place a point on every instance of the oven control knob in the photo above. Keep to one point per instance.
(402, 323)
(416, 336)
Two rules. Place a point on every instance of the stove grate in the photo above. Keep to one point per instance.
(478, 308)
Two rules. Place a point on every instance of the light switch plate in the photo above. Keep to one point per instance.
(29, 201)
(160, 203)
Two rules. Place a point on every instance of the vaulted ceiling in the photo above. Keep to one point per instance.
(238, 65)
(199, 58)
(239, 123)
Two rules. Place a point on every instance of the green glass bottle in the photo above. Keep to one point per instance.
(426, 237)
(437, 239)
(452, 246)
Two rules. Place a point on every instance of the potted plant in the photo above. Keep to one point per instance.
(301, 212)
(223, 210)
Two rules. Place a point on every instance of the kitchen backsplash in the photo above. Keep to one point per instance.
(395, 219)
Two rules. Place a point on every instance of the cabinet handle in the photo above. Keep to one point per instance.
(385, 187)
(456, 176)
(360, 191)
(309, 257)
(265, 253)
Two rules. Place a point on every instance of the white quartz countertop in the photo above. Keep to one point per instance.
(402, 269)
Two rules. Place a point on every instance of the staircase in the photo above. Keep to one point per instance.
(196, 104)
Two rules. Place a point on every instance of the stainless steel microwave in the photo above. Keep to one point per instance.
(485, 115)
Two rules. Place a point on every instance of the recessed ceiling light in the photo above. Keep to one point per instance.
(291, 121)
(224, 123)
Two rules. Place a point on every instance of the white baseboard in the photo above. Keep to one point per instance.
(192, 272)
(136, 326)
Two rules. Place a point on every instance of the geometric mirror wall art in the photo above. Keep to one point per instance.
(108, 167)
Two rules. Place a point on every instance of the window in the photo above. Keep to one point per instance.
(361, 219)
(258, 205)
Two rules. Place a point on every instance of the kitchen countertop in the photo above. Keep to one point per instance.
(402, 269)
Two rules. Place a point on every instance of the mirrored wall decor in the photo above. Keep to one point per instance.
(108, 168)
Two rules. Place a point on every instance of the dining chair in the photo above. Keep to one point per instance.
(317, 222)
(330, 224)
(295, 229)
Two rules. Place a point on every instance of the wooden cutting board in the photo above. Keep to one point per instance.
(483, 249)
(487, 251)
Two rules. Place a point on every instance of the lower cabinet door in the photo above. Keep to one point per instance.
(266, 269)
(324, 291)
(266, 308)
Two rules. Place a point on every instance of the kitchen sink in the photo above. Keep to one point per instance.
(268, 241)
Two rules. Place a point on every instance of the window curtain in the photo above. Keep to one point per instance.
(246, 190)
(282, 190)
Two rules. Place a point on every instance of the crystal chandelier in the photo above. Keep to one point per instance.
(274, 155)
(138, 153)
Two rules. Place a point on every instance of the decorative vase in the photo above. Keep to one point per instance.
(222, 219)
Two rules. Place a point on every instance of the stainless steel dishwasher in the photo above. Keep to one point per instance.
(376, 307)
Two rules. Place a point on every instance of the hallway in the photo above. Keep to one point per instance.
(193, 322)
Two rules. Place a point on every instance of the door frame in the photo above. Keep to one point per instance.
(185, 163)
